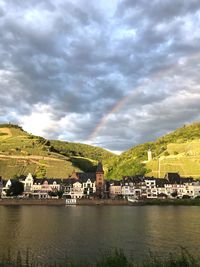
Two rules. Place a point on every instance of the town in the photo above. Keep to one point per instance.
(94, 185)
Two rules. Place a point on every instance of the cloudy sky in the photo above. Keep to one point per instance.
(109, 73)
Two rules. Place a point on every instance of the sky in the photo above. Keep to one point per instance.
(108, 73)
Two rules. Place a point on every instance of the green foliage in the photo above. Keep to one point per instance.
(184, 134)
(80, 150)
(112, 259)
(9, 125)
(3, 134)
(16, 188)
(185, 140)
(70, 156)
(116, 259)
(56, 193)
(166, 153)
(29, 150)
(41, 172)
(174, 194)
(119, 167)
(86, 165)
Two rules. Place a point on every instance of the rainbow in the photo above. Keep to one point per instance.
(103, 121)
(134, 92)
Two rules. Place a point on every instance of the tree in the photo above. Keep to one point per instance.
(16, 188)
(41, 172)
(56, 193)
(185, 197)
(174, 194)
(166, 153)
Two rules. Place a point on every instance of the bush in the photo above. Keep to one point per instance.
(166, 153)
(185, 197)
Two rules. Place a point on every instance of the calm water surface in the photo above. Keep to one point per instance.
(84, 232)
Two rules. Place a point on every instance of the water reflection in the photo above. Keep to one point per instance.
(84, 232)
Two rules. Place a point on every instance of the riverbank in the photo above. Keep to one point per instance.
(170, 202)
(101, 202)
(61, 202)
(17, 202)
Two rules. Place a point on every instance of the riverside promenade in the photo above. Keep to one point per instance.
(61, 202)
(100, 202)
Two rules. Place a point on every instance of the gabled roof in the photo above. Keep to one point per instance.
(115, 182)
(69, 181)
(51, 181)
(66, 181)
(83, 177)
(132, 179)
(169, 175)
(37, 181)
(4, 182)
(160, 182)
(187, 180)
(173, 177)
(149, 178)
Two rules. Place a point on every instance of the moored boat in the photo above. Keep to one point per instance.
(70, 201)
(132, 199)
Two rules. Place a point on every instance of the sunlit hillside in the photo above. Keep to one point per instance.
(178, 151)
(181, 157)
(21, 153)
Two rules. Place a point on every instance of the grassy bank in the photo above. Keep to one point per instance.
(114, 259)
(172, 202)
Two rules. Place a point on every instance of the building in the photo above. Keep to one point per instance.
(151, 189)
(6, 185)
(115, 189)
(100, 181)
(1, 185)
(128, 187)
(149, 154)
(28, 183)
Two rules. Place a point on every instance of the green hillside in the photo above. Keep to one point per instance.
(178, 151)
(21, 153)
(70, 149)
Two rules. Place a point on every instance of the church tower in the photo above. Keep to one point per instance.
(99, 180)
(149, 153)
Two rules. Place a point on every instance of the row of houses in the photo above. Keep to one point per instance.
(79, 185)
(171, 186)
(90, 185)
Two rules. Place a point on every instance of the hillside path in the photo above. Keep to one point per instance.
(29, 157)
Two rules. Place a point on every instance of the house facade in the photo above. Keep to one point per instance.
(92, 185)
(115, 189)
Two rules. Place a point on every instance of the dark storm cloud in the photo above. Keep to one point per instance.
(158, 11)
(114, 73)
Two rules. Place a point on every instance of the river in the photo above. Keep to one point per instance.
(54, 233)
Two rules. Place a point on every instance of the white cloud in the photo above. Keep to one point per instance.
(127, 71)
(40, 119)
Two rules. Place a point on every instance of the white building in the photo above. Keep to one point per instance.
(151, 189)
(28, 183)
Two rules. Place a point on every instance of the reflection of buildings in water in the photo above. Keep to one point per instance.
(10, 228)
